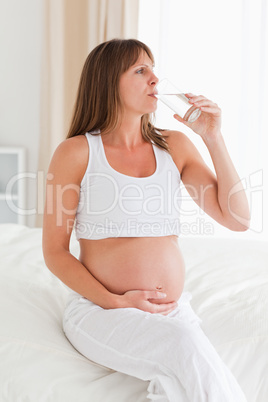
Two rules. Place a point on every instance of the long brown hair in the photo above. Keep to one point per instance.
(98, 103)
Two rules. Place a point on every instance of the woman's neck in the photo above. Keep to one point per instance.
(127, 134)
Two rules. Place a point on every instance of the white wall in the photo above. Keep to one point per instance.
(20, 75)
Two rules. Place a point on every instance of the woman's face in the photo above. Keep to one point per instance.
(136, 87)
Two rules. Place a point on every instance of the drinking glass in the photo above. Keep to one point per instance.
(175, 99)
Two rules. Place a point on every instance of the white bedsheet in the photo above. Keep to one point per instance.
(228, 280)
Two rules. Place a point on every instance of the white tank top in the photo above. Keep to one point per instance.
(112, 204)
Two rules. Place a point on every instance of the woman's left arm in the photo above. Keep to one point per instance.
(222, 196)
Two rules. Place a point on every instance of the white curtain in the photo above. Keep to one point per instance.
(218, 49)
(71, 29)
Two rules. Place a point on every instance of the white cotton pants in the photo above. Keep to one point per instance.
(171, 352)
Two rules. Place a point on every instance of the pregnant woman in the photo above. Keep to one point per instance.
(116, 181)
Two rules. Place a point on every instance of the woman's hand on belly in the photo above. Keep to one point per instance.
(150, 301)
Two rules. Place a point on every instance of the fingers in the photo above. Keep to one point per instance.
(180, 119)
(170, 310)
(154, 307)
(163, 309)
(203, 103)
(149, 300)
(154, 294)
(210, 110)
(194, 98)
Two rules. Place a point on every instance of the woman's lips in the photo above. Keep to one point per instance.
(153, 95)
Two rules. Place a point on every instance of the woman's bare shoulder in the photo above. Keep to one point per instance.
(175, 138)
(73, 146)
(180, 146)
(70, 158)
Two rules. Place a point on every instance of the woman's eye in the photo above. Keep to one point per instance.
(142, 70)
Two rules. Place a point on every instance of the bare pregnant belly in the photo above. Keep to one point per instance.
(144, 263)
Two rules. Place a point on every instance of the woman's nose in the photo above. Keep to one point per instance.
(154, 80)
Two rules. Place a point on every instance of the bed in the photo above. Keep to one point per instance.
(228, 280)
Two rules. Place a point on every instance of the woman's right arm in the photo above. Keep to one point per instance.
(65, 173)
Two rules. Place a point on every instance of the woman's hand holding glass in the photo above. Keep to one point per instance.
(208, 124)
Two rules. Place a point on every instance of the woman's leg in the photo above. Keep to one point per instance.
(170, 351)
